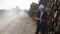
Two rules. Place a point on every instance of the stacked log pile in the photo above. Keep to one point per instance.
(33, 7)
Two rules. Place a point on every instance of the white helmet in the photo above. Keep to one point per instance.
(41, 6)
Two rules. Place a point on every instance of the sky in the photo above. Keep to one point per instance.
(23, 4)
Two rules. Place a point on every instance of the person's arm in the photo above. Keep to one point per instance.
(36, 16)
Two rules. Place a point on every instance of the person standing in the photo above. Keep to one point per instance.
(40, 20)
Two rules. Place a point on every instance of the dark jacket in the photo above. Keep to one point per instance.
(45, 16)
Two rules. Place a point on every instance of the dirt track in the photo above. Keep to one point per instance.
(21, 25)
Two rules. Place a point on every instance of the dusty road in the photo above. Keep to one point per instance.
(21, 25)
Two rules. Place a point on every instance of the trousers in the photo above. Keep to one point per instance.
(41, 27)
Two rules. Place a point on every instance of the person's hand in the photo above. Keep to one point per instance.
(36, 18)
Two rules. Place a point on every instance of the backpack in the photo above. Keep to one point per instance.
(46, 18)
